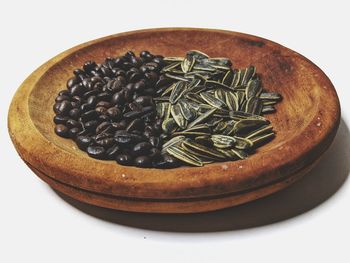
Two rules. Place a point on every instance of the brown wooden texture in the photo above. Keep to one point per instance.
(305, 122)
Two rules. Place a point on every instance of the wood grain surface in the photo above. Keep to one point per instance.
(306, 120)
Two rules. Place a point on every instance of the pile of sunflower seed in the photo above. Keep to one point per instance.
(212, 112)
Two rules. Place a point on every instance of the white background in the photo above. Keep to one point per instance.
(308, 222)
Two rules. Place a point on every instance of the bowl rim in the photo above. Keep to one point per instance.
(182, 182)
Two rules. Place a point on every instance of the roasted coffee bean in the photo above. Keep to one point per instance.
(103, 118)
(143, 161)
(134, 106)
(120, 72)
(62, 98)
(60, 119)
(62, 130)
(105, 142)
(97, 152)
(154, 154)
(105, 104)
(74, 113)
(112, 152)
(102, 126)
(73, 132)
(77, 90)
(104, 96)
(154, 141)
(87, 83)
(64, 108)
(114, 113)
(130, 87)
(119, 125)
(142, 148)
(144, 100)
(91, 125)
(71, 82)
(90, 93)
(101, 110)
(128, 94)
(136, 124)
(73, 124)
(132, 114)
(83, 141)
(152, 77)
(140, 86)
(124, 159)
(89, 115)
(89, 65)
(122, 136)
(118, 98)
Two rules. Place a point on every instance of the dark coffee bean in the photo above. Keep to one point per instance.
(102, 126)
(62, 130)
(129, 54)
(83, 142)
(136, 124)
(56, 107)
(73, 132)
(144, 100)
(146, 55)
(76, 104)
(77, 99)
(159, 60)
(90, 93)
(105, 104)
(152, 77)
(118, 98)
(135, 77)
(167, 162)
(149, 91)
(112, 152)
(120, 72)
(64, 107)
(91, 125)
(124, 159)
(101, 110)
(119, 61)
(132, 114)
(147, 134)
(73, 124)
(77, 90)
(163, 81)
(119, 125)
(122, 136)
(89, 65)
(114, 113)
(62, 98)
(87, 83)
(89, 115)
(128, 95)
(107, 72)
(143, 161)
(92, 100)
(144, 69)
(140, 86)
(155, 154)
(154, 141)
(142, 148)
(72, 81)
(85, 107)
(60, 119)
(170, 160)
(74, 113)
(106, 142)
(134, 106)
(97, 152)
(130, 87)
(103, 118)
(104, 96)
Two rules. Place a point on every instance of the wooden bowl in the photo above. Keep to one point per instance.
(306, 122)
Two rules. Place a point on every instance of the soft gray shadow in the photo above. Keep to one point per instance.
(315, 188)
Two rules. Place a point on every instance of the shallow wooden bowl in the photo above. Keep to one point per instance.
(305, 122)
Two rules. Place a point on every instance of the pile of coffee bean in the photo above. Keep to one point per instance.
(108, 110)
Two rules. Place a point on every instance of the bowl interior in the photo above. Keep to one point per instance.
(279, 72)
